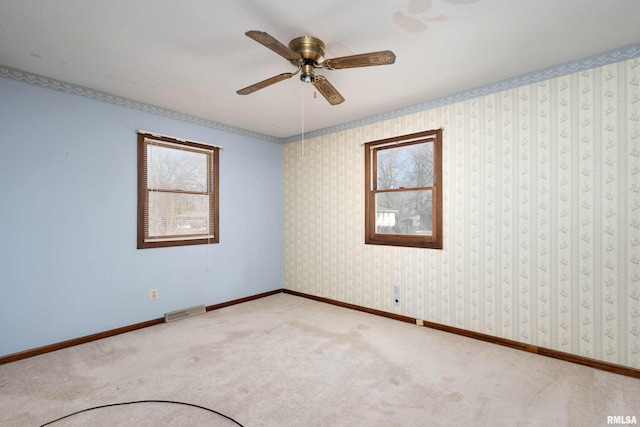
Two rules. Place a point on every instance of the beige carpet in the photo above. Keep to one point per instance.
(290, 361)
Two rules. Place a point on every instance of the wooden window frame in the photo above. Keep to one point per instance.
(143, 240)
(435, 241)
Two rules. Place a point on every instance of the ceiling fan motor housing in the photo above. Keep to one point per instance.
(309, 48)
(312, 51)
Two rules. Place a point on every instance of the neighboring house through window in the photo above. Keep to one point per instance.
(177, 192)
(403, 187)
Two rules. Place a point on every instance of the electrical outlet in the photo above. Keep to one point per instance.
(396, 295)
(153, 294)
(419, 322)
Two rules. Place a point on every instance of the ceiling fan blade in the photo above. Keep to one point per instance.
(273, 44)
(328, 91)
(383, 57)
(261, 85)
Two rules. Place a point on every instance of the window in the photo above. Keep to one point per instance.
(403, 187)
(177, 192)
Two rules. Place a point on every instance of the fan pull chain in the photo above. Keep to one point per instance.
(302, 115)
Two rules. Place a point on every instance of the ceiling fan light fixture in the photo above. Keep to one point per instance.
(307, 74)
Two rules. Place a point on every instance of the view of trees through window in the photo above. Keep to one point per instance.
(405, 171)
(178, 191)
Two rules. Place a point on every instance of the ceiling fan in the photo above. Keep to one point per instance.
(307, 53)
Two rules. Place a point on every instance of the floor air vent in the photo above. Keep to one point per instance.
(183, 314)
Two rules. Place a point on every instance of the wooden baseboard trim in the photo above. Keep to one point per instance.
(93, 337)
(567, 357)
(352, 306)
(77, 341)
(241, 300)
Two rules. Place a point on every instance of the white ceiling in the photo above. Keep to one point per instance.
(192, 55)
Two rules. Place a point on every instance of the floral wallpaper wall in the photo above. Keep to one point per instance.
(541, 217)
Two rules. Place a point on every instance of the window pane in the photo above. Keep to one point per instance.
(173, 214)
(176, 169)
(404, 212)
(410, 166)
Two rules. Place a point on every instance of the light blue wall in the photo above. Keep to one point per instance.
(69, 266)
